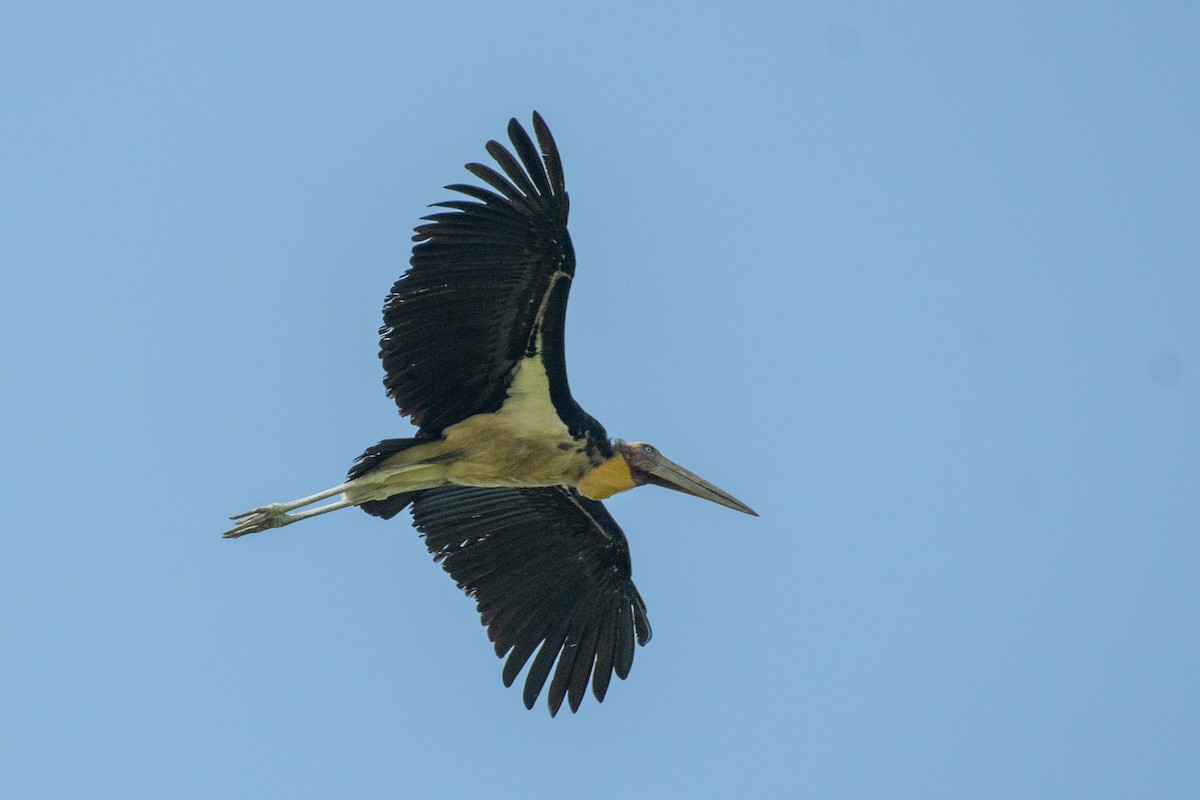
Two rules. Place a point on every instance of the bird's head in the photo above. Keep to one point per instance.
(638, 463)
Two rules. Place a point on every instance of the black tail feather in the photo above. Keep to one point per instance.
(390, 507)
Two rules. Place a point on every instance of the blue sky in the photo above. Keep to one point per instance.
(919, 282)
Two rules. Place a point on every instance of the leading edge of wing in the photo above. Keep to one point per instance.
(487, 284)
(550, 572)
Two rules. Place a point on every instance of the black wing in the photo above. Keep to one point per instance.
(547, 567)
(485, 278)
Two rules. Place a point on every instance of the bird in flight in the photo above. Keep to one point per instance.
(506, 472)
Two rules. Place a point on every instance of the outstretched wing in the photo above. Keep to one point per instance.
(487, 286)
(547, 567)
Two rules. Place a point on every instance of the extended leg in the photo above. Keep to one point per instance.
(276, 515)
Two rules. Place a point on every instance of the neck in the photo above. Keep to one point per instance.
(610, 477)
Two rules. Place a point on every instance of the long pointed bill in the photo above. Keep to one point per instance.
(669, 474)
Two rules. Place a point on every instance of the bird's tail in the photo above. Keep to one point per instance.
(372, 459)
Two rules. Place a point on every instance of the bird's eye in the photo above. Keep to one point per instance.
(647, 449)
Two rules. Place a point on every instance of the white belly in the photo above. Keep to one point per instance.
(522, 444)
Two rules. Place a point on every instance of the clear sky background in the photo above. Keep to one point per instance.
(919, 282)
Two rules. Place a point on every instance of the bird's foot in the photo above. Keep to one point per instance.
(259, 519)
